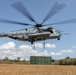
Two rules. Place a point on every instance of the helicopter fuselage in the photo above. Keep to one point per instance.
(33, 34)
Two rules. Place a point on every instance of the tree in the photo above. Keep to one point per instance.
(18, 59)
(6, 59)
(67, 58)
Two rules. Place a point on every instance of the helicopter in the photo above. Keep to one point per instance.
(37, 32)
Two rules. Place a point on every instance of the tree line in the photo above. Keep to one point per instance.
(66, 61)
(6, 60)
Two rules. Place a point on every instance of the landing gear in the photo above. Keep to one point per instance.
(32, 40)
(58, 38)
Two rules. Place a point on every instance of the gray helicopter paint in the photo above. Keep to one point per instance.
(28, 34)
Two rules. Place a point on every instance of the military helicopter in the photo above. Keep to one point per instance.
(37, 32)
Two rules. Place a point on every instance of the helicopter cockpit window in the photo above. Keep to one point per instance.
(51, 31)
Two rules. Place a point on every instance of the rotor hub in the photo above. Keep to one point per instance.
(38, 25)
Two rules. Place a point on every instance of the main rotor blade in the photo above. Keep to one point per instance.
(12, 22)
(55, 9)
(20, 7)
(64, 22)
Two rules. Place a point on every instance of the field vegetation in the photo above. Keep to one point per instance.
(22, 69)
(66, 61)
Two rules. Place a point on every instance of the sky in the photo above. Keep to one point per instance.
(65, 47)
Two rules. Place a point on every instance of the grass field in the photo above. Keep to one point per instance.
(15, 69)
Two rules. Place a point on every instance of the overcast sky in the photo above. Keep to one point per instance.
(38, 9)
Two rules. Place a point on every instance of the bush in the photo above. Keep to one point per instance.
(66, 61)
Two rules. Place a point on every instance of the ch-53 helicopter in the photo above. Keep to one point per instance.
(38, 32)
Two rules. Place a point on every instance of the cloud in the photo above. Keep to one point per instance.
(25, 51)
(50, 45)
(7, 46)
(40, 45)
(67, 51)
(8, 49)
(25, 47)
(28, 51)
(56, 54)
(74, 47)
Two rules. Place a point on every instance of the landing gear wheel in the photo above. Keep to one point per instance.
(58, 38)
(31, 42)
